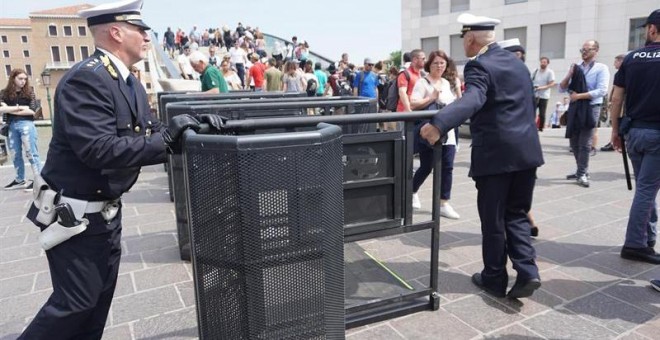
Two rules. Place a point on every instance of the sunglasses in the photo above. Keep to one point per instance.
(583, 50)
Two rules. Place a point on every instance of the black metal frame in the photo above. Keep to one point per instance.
(252, 256)
(263, 108)
(165, 98)
(385, 308)
(393, 182)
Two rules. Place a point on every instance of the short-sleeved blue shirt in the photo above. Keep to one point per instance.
(368, 86)
(639, 75)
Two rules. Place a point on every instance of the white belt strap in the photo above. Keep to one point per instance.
(80, 207)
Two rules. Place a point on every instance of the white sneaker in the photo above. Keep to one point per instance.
(447, 211)
(416, 204)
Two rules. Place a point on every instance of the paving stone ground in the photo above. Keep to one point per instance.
(588, 291)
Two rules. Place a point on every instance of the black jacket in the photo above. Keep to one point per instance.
(499, 102)
(579, 112)
(101, 137)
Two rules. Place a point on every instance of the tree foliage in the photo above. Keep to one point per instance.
(395, 58)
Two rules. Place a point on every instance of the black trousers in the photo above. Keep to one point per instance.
(503, 202)
(426, 166)
(542, 104)
(83, 271)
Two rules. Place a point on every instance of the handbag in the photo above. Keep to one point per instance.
(39, 114)
(4, 129)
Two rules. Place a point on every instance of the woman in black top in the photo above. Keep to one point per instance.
(18, 105)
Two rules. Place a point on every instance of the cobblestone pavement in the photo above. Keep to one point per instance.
(588, 291)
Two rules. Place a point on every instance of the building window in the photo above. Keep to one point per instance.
(429, 45)
(457, 51)
(84, 52)
(459, 5)
(516, 32)
(24, 39)
(55, 53)
(7, 70)
(82, 31)
(146, 66)
(28, 70)
(509, 2)
(70, 56)
(429, 7)
(26, 53)
(5, 53)
(148, 86)
(636, 35)
(4, 39)
(52, 30)
(67, 31)
(553, 40)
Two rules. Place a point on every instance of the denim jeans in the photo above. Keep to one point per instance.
(581, 144)
(643, 146)
(23, 137)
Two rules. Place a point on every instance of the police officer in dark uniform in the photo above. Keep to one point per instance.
(638, 81)
(103, 132)
(505, 154)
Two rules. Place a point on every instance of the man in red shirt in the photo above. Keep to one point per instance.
(256, 72)
(406, 82)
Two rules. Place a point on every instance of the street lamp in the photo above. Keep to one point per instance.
(45, 79)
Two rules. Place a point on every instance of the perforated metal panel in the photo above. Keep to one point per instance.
(266, 216)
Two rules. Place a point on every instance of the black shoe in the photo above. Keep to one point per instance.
(535, 231)
(30, 187)
(14, 185)
(607, 147)
(479, 282)
(655, 284)
(524, 288)
(640, 254)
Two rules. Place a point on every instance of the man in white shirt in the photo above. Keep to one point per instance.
(184, 64)
(543, 79)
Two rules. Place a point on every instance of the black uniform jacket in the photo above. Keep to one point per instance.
(579, 112)
(101, 135)
(499, 102)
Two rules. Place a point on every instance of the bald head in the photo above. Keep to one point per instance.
(473, 41)
(484, 38)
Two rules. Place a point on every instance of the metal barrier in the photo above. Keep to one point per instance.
(165, 98)
(398, 301)
(266, 230)
(237, 109)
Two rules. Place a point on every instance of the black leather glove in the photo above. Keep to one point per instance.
(178, 124)
(214, 120)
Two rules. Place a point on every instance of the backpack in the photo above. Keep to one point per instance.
(343, 88)
(312, 85)
(392, 99)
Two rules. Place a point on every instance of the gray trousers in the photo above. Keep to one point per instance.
(581, 142)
